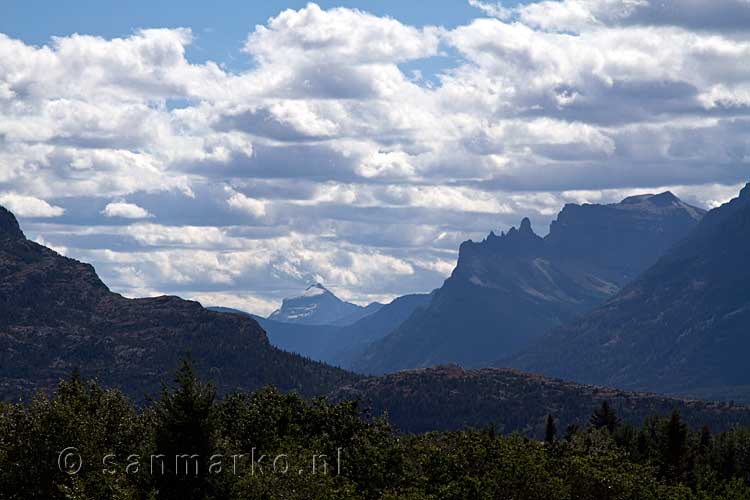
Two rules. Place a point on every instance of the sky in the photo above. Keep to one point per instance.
(235, 152)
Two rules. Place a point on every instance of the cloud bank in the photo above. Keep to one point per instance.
(329, 161)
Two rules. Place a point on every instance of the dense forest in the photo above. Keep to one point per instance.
(86, 442)
(447, 398)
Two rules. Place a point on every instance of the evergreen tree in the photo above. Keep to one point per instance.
(551, 432)
(604, 417)
(184, 437)
(675, 449)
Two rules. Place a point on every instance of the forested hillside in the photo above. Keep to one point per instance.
(88, 443)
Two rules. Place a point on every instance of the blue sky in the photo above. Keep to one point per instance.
(235, 152)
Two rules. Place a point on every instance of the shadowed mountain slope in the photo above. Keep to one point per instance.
(57, 315)
(508, 290)
(682, 327)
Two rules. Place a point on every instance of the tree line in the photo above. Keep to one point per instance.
(86, 442)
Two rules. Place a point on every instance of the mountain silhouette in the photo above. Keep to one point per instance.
(508, 290)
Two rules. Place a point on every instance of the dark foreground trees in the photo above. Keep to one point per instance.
(270, 445)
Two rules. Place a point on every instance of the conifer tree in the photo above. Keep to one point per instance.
(184, 436)
(550, 434)
(604, 417)
(674, 448)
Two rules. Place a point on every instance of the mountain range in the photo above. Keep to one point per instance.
(56, 315)
(335, 344)
(681, 327)
(509, 290)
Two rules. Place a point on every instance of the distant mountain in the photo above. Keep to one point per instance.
(448, 398)
(681, 328)
(508, 290)
(338, 345)
(57, 315)
(319, 306)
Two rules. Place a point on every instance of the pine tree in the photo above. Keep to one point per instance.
(551, 432)
(603, 418)
(184, 428)
(674, 448)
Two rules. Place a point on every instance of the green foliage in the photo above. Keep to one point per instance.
(354, 455)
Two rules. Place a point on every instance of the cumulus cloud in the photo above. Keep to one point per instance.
(342, 36)
(125, 210)
(251, 206)
(325, 161)
(28, 206)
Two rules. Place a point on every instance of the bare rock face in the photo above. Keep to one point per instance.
(57, 315)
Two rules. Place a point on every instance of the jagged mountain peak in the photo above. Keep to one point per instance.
(9, 227)
(526, 226)
(508, 290)
(507, 241)
(523, 228)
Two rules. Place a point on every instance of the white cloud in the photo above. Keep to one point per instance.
(339, 35)
(243, 300)
(28, 206)
(492, 9)
(125, 210)
(251, 206)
